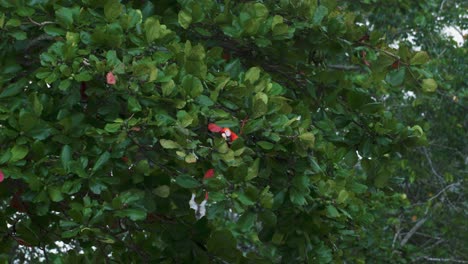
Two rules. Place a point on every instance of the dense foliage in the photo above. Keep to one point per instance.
(432, 227)
(115, 114)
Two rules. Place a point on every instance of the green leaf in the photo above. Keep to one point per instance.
(396, 77)
(266, 145)
(191, 158)
(252, 171)
(358, 188)
(143, 167)
(169, 144)
(101, 160)
(297, 196)
(154, 30)
(18, 152)
(332, 212)
(419, 58)
(83, 76)
(71, 233)
(429, 85)
(184, 118)
(162, 191)
(55, 193)
(276, 20)
(132, 213)
(168, 87)
(342, 196)
(112, 9)
(185, 18)
(222, 243)
(320, 13)
(66, 157)
(187, 181)
(37, 105)
(307, 138)
(192, 85)
(13, 89)
(252, 75)
(246, 221)
(112, 127)
(133, 105)
(67, 15)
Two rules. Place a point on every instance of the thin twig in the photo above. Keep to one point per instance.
(443, 190)
(442, 6)
(431, 165)
(41, 24)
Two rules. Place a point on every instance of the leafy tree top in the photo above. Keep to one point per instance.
(105, 120)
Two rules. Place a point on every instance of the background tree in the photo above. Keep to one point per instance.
(432, 227)
(114, 121)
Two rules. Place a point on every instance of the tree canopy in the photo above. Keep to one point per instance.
(220, 132)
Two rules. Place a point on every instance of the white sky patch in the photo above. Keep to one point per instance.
(455, 33)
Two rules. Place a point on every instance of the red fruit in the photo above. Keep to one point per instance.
(110, 78)
(209, 174)
(2, 176)
(124, 159)
(206, 196)
(214, 128)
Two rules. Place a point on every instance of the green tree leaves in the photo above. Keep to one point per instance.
(112, 112)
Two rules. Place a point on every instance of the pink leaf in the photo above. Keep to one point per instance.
(214, 127)
(110, 78)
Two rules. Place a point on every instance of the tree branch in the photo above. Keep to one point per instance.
(412, 231)
(344, 67)
(443, 190)
(445, 260)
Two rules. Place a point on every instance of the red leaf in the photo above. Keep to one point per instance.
(2, 176)
(396, 64)
(228, 134)
(110, 78)
(22, 242)
(364, 60)
(17, 203)
(364, 38)
(234, 136)
(214, 127)
(209, 174)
